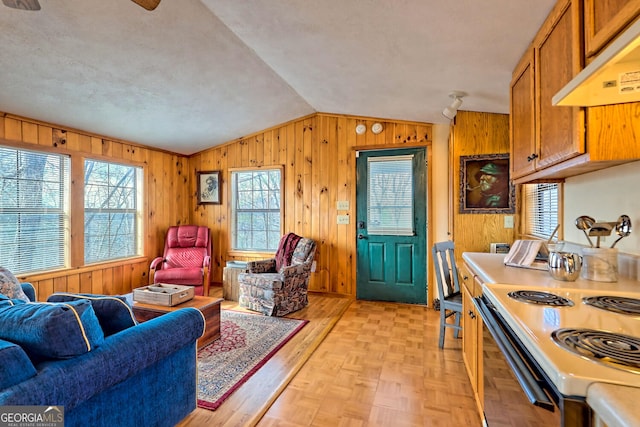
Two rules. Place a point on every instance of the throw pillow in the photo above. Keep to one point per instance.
(113, 312)
(10, 286)
(51, 330)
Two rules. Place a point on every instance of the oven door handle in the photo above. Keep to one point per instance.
(535, 394)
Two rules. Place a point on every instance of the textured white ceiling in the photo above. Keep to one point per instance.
(193, 74)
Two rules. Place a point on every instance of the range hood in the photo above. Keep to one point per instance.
(612, 78)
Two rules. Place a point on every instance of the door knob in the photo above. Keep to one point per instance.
(361, 236)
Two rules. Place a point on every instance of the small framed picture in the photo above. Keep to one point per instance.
(209, 188)
(485, 185)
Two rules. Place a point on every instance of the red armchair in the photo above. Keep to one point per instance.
(186, 259)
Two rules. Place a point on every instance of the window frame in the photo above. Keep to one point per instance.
(527, 223)
(138, 211)
(64, 211)
(231, 209)
(75, 224)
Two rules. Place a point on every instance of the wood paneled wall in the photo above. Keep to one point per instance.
(318, 156)
(166, 194)
(475, 134)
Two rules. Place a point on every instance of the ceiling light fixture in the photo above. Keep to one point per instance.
(450, 111)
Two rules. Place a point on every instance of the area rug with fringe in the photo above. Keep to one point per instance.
(247, 341)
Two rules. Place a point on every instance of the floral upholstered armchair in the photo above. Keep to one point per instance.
(278, 286)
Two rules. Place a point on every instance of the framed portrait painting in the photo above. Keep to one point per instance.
(485, 185)
(209, 188)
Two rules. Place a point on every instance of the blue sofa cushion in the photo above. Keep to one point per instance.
(16, 365)
(5, 301)
(10, 286)
(29, 291)
(113, 312)
(51, 330)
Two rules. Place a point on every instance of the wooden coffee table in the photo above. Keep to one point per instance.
(208, 306)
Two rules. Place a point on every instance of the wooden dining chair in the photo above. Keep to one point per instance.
(444, 262)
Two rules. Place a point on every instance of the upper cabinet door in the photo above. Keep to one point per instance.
(604, 19)
(522, 117)
(558, 58)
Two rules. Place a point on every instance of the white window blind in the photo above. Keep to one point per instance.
(112, 210)
(34, 210)
(541, 211)
(390, 196)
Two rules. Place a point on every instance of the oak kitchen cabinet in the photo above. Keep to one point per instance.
(553, 142)
(603, 20)
(472, 332)
(543, 135)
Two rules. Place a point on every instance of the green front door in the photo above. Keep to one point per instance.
(391, 226)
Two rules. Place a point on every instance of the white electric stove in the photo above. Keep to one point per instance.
(572, 372)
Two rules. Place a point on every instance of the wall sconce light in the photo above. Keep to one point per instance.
(450, 111)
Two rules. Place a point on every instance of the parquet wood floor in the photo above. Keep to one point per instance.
(380, 365)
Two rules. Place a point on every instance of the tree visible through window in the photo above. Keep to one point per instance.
(110, 211)
(34, 210)
(256, 209)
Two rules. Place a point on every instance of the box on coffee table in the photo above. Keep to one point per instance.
(163, 294)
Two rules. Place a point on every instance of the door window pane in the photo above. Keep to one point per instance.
(390, 195)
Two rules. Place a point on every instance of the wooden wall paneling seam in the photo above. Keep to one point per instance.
(316, 196)
(338, 138)
(346, 191)
(60, 284)
(298, 178)
(13, 129)
(30, 133)
(309, 140)
(73, 283)
(321, 164)
(45, 136)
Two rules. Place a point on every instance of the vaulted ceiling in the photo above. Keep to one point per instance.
(193, 74)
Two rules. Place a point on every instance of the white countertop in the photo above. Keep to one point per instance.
(615, 405)
(491, 269)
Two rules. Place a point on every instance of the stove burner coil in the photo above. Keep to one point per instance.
(622, 305)
(608, 348)
(544, 298)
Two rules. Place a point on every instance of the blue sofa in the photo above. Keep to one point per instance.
(144, 375)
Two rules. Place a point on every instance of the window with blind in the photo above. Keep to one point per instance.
(541, 209)
(256, 209)
(390, 196)
(112, 210)
(34, 210)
